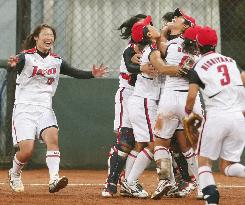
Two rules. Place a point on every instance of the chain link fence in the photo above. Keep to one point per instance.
(87, 30)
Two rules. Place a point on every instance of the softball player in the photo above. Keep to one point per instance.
(125, 139)
(33, 118)
(142, 105)
(171, 108)
(220, 82)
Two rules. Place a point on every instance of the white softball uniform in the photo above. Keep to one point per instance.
(142, 105)
(30, 120)
(36, 84)
(171, 108)
(124, 91)
(224, 129)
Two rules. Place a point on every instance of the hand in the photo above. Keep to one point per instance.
(99, 72)
(149, 70)
(12, 61)
(136, 58)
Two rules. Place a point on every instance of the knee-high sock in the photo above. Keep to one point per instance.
(163, 162)
(17, 165)
(205, 176)
(192, 162)
(142, 161)
(53, 163)
(235, 170)
(130, 162)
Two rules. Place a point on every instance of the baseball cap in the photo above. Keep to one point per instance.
(178, 12)
(191, 32)
(137, 29)
(207, 36)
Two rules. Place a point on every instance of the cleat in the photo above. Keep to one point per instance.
(134, 189)
(106, 193)
(123, 191)
(199, 194)
(164, 188)
(15, 182)
(57, 184)
(109, 190)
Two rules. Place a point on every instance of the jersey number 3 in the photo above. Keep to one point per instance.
(224, 70)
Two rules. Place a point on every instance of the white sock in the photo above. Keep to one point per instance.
(53, 163)
(161, 153)
(142, 161)
(17, 165)
(235, 170)
(205, 176)
(130, 162)
(192, 163)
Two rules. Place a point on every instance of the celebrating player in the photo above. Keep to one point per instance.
(38, 71)
(129, 69)
(171, 105)
(219, 81)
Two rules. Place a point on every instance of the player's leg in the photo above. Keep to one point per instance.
(142, 117)
(23, 133)
(125, 143)
(209, 149)
(48, 132)
(165, 127)
(207, 182)
(233, 147)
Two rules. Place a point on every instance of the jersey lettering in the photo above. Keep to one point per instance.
(224, 70)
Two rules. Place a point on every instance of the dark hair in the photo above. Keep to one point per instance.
(127, 25)
(190, 46)
(146, 39)
(206, 49)
(168, 16)
(30, 42)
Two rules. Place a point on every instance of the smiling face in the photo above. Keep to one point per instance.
(45, 40)
(177, 24)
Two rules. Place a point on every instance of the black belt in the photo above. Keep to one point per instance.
(184, 91)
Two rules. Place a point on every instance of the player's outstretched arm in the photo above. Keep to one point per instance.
(12, 61)
(100, 71)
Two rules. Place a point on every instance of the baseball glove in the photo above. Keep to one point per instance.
(191, 125)
(186, 66)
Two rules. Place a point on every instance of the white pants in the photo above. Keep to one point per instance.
(142, 115)
(121, 110)
(223, 136)
(171, 110)
(29, 121)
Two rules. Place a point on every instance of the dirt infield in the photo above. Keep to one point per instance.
(85, 187)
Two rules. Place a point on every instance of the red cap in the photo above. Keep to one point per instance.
(137, 29)
(191, 32)
(178, 12)
(207, 36)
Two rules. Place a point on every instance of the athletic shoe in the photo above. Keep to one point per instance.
(199, 194)
(15, 182)
(109, 190)
(134, 189)
(57, 184)
(165, 188)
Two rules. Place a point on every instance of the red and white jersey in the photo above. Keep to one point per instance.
(221, 81)
(124, 74)
(174, 56)
(147, 86)
(37, 82)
